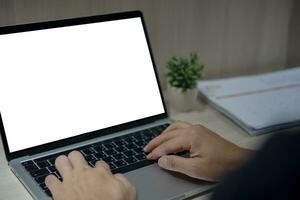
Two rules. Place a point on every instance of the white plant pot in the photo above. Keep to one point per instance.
(180, 101)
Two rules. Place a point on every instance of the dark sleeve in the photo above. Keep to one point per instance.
(273, 173)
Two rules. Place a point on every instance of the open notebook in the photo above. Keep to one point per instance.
(260, 103)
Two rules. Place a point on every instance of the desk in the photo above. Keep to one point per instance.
(12, 189)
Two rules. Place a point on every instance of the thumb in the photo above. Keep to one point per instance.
(177, 163)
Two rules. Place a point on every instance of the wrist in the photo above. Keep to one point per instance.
(239, 156)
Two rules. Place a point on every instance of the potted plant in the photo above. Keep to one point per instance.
(182, 75)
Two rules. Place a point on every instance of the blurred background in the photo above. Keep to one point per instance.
(231, 37)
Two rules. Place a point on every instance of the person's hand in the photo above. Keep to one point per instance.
(82, 182)
(210, 156)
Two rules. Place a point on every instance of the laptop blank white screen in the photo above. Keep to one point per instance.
(62, 82)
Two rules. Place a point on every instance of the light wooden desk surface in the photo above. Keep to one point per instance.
(12, 189)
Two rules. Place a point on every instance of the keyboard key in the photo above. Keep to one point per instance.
(31, 167)
(141, 143)
(89, 158)
(87, 151)
(98, 148)
(138, 150)
(51, 156)
(165, 125)
(120, 142)
(112, 166)
(52, 161)
(110, 152)
(129, 140)
(92, 163)
(57, 174)
(120, 163)
(120, 148)
(155, 131)
(97, 144)
(129, 153)
(140, 156)
(145, 132)
(28, 162)
(148, 139)
(131, 160)
(39, 172)
(131, 146)
(138, 137)
(108, 159)
(119, 156)
(152, 131)
(109, 146)
(43, 164)
(99, 155)
(40, 159)
(52, 169)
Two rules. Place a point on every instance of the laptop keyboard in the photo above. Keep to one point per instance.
(123, 154)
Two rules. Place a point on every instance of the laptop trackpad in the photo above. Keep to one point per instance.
(152, 182)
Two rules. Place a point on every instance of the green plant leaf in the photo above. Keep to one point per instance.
(184, 72)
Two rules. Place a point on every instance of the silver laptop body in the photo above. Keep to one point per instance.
(37, 138)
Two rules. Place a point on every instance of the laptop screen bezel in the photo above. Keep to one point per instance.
(93, 134)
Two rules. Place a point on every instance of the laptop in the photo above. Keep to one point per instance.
(86, 84)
